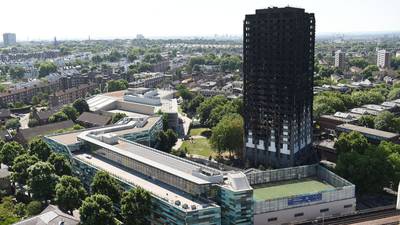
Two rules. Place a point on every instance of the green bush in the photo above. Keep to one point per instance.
(34, 208)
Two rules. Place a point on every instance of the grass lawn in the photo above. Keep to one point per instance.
(199, 147)
(198, 131)
(288, 188)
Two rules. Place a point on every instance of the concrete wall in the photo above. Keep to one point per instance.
(310, 212)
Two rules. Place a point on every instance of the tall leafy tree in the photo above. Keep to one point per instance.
(20, 168)
(39, 148)
(42, 180)
(227, 135)
(367, 170)
(136, 207)
(61, 164)
(69, 193)
(58, 117)
(386, 121)
(117, 85)
(81, 105)
(166, 140)
(104, 184)
(205, 108)
(9, 152)
(367, 121)
(70, 112)
(351, 142)
(97, 209)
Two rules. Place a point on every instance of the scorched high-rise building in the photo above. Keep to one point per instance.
(278, 53)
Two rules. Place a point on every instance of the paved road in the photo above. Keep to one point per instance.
(184, 129)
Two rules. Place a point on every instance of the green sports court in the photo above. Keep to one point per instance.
(289, 188)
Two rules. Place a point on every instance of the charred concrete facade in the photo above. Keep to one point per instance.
(278, 53)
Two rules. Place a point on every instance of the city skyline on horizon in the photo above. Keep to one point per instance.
(75, 20)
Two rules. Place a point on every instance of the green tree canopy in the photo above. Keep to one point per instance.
(13, 123)
(351, 142)
(46, 67)
(230, 63)
(166, 140)
(104, 184)
(42, 180)
(81, 105)
(58, 117)
(205, 108)
(394, 94)
(16, 72)
(97, 209)
(69, 193)
(367, 121)
(9, 152)
(190, 106)
(34, 208)
(117, 116)
(71, 112)
(367, 170)
(395, 63)
(114, 56)
(220, 111)
(184, 92)
(20, 168)
(61, 164)
(387, 121)
(368, 71)
(358, 62)
(117, 85)
(136, 206)
(227, 135)
(39, 148)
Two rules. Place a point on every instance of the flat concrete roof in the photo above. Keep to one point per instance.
(66, 138)
(119, 95)
(156, 189)
(366, 130)
(71, 138)
(159, 160)
(151, 121)
(128, 113)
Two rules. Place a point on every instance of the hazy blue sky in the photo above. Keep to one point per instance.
(44, 19)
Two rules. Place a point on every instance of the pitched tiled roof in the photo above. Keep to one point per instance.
(50, 216)
(30, 133)
(4, 113)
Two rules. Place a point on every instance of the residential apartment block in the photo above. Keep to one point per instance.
(383, 59)
(68, 96)
(278, 53)
(9, 39)
(340, 59)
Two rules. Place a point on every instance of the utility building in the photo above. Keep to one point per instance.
(278, 53)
